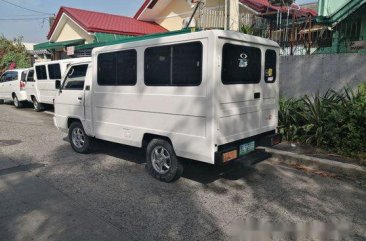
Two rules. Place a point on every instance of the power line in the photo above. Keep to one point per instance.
(21, 19)
(25, 8)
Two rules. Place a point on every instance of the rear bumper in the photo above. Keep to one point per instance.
(267, 139)
(22, 95)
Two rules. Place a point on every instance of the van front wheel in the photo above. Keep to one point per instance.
(79, 140)
(161, 161)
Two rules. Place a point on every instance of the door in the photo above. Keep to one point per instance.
(30, 86)
(270, 89)
(3, 79)
(239, 91)
(69, 100)
(9, 79)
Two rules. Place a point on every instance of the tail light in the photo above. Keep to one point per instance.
(22, 85)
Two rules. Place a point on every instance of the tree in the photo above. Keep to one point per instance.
(13, 51)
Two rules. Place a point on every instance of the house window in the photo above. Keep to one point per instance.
(54, 71)
(241, 65)
(174, 65)
(41, 72)
(117, 68)
(270, 66)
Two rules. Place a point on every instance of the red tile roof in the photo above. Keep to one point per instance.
(106, 23)
(258, 5)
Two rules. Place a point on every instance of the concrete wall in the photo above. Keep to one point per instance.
(307, 74)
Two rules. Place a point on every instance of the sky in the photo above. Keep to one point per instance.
(34, 29)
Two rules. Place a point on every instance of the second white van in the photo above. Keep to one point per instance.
(43, 91)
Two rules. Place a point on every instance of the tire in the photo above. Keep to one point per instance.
(79, 140)
(17, 103)
(162, 162)
(36, 105)
(1, 102)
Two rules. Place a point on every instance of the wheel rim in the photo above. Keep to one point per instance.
(161, 160)
(78, 137)
(35, 104)
(16, 101)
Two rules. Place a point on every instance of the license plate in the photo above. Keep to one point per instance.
(246, 148)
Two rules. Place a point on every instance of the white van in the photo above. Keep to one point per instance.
(43, 91)
(12, 87)
(210, 96)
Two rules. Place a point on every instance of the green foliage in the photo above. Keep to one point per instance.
(247, 29)
(336, 120)
(13, 51)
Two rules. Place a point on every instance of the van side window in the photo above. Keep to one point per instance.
(10, 76)
(54, 71)
(24, 76)
(241, 64)
(41, 72)
(270, 66)
(75, 78)
(117, 68)
(174, 65)
(30, 77)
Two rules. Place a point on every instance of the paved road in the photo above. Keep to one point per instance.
(48, 192)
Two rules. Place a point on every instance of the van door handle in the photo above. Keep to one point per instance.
(257, 95)
(80, 98)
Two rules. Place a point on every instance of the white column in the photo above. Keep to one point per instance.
(233, 15)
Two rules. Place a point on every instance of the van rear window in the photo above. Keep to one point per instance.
(241, 64)
(41, 72)
(270, 66)
(54, 71)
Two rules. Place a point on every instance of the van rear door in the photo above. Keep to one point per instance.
(242, 92)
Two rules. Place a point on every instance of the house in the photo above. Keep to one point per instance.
(76, 27)
(257, 17)
(37, 55)
(170, 14)
(347, 21)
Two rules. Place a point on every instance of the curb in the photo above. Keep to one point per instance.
(343, 169)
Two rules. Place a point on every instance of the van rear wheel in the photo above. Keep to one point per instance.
(79, 140)
(1, 102)
(17, 103)
(162, 162)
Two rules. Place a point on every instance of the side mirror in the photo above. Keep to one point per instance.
(58, 84)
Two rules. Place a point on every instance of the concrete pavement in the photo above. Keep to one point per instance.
(108, 195)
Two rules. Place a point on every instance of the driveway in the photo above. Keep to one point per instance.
(49, 192)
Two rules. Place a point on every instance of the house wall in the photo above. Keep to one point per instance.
(173, 15)
(307, 74)
(327, 8)
(71, 31)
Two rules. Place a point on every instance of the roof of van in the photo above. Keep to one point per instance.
(225, 34)
(67, 61)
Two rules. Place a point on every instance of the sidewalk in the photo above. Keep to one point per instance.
(302, 156)
(33, 210)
